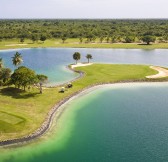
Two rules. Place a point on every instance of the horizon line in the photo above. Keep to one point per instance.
(83, 18)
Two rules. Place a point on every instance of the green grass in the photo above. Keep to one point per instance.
(23, 112)
(10, 118)
(74, 43)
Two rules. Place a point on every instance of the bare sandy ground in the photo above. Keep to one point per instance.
(80, 64)
(161, 72)
(10, 45)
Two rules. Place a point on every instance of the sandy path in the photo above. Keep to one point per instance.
(161, 72)
(80, 64)
(16, 45)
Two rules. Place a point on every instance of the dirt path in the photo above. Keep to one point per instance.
(161, 73)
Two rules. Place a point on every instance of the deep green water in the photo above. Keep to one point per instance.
(118, 123)
(53, 61)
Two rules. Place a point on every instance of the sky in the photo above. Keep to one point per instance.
(83, 9)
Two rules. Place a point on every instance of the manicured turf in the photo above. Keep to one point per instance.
(10, 118)
(24, 112)
(74, 43)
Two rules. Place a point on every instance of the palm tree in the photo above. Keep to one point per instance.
(89, 56)
(42, 79)
(1, 63)
(76, 56)
(17, 59)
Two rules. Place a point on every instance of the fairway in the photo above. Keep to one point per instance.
(24, 112)
(74, 43)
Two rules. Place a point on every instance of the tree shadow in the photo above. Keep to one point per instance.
(17, 93)
(144, 44)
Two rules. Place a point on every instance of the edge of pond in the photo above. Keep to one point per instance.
(48, 121)
(72, 47)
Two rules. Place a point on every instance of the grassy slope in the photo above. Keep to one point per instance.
(74, 43)
(29, 109)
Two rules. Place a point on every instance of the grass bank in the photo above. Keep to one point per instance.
(22, 113)
(74, 43)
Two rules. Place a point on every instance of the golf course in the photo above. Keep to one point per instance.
(74, 43)
(20, 109)
(83, 81)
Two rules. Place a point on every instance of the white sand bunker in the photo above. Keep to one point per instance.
(161, 73)
(10, 45)
(80, 64)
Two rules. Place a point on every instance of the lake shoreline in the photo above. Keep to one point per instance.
(94, 46)
(48, 121)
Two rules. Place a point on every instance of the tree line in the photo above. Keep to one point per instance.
(22, 77)
(109, 31)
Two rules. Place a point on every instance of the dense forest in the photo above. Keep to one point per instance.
(111, 31)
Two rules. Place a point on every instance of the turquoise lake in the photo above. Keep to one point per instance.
(53, 61)
(114, 123)
(117, 123)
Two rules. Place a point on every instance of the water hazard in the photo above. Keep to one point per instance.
(53, 61)
(122, 122)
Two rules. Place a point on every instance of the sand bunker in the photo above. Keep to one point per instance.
(10, 45)
(80, 64)
(161, 72)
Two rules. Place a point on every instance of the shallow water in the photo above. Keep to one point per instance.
(53, 61)
(122, 122)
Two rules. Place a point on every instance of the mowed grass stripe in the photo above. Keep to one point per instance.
(10, 118)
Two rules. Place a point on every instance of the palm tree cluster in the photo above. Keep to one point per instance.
(77, 56)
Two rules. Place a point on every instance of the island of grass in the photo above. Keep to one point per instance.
(22, 113)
